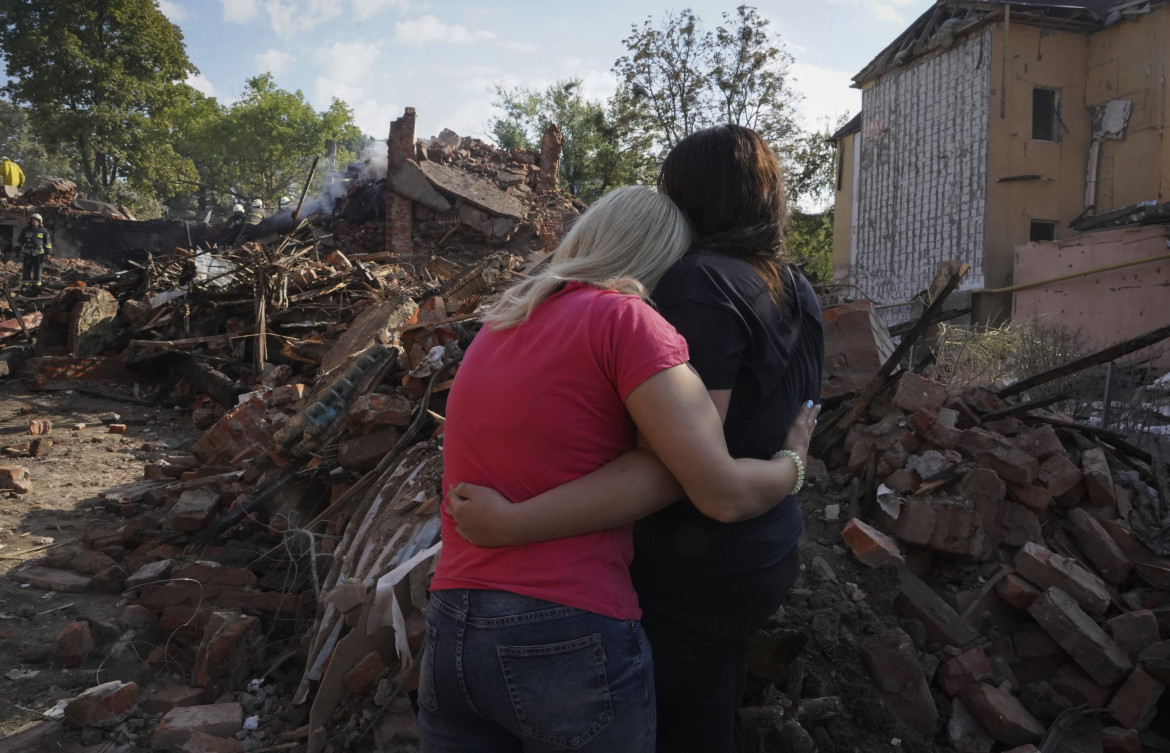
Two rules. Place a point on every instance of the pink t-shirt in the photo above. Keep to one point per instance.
(535, 406)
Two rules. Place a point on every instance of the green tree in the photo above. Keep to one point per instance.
(810, 173)
(94, 73)
(682, 78)
(19, 143)
(270, 136)
(600, 151)
(808, 241)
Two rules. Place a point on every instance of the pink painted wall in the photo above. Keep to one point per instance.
(1108, 306)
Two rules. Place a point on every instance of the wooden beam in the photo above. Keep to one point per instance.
(1112, 353)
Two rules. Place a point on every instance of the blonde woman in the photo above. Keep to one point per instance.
(538, 647)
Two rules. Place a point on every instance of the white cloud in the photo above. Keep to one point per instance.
(827, 94)
(200, 83)
(342, 68)
(173, 10)
(291, 17)
(428, 29)
(275, 62)
(888, 13)
(370, 8)
(521, 46)
(240, 11)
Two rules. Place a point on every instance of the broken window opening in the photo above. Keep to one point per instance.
(1046, 121)
(1042, 230)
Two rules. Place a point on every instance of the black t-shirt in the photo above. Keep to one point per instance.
(771, 360)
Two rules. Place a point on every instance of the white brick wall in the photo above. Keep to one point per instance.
(922, 182)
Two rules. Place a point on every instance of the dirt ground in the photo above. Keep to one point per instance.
(61, 506)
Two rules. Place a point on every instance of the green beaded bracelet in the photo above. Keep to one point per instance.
(799, 467)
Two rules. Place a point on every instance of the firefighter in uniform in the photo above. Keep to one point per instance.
(36, 247)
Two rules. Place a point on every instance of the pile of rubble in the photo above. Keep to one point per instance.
(280, 562)
(1007, 587)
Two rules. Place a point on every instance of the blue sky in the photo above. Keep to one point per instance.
(443, 56)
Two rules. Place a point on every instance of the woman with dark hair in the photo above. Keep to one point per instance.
(754, 333)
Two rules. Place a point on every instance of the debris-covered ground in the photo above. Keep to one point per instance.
(222, 480)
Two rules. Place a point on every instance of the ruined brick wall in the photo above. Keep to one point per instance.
(399, 148)
(922, 182)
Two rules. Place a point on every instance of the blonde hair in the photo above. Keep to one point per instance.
(625, 241)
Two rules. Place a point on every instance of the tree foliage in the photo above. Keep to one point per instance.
(19, 142)
(94, 74)
(601, 150)
(681, 77)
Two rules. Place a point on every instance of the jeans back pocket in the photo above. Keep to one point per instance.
(559, 691)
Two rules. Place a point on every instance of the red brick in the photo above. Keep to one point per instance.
(117, 428)
(870, 545)
(350, 594)
(1013, 466)
(943, 624)
(101, 704)
(1035, 498)
(1041, 443)
(976, 441)
(219, 575)
(860, 454)
(1088, 645)
(1072, 683)
(1134, 631)
(902, 480)
(1155, 659)
(90, 563)
(1118, 740)
(16, 478)
(177, 726)
(231, 645)
(366, 672)
(923, 418)
(201, 742)
(194, 510)
(1008, 427)
(1017, 591)
(914, 392)
(1002, 715)
(1133, 706)
(172, 698)
(1098, 479)
(137, 617)
(894, 665)
(1059, 475)
(160, 596)
(363, 453)
(943, 437)
(966, 668)
(40, 426)
(1046, 569)
(1099, 546)
(1018, 525)
(74, 644)
(965, 733)
(966, 418)
(372, 412)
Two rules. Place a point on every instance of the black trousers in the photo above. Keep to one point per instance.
(32, 269)
(699, 629)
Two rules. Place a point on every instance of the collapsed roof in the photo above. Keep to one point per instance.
(949, 20)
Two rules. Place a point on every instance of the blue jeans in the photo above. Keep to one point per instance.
(504, 673)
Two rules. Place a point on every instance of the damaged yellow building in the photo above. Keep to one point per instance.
(986, 125)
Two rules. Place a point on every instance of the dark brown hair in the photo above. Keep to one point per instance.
(728, 182)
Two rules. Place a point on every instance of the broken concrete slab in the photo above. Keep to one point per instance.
(479, 192)
(53, 579)
(194, 510)
(408, 179)
(179, 724)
